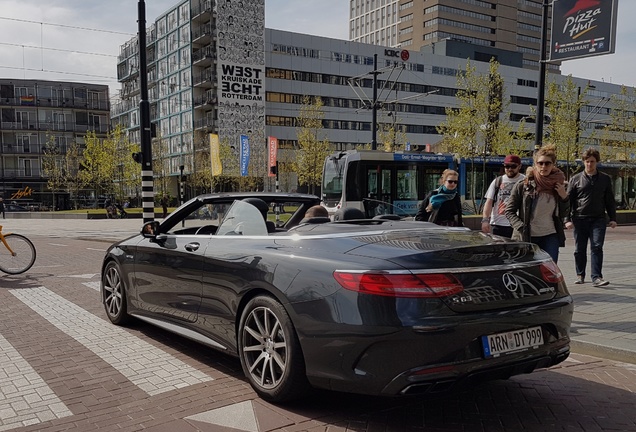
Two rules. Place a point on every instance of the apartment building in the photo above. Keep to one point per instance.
(512, 25)
(32, 112)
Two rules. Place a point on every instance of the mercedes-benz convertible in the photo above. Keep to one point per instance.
(373, 306)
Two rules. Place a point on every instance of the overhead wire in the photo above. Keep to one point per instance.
(42, 23)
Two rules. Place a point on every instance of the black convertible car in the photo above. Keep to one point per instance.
(373, 306)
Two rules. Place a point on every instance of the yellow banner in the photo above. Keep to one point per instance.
(215, 155)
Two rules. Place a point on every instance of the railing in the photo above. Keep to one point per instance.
(10, 173)
(56, 126)
(204, 6)
(205, 124)
(203, 77)
(62, 103)
(203, 30)
(203, 53)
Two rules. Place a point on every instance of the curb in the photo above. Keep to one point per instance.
(603, 351)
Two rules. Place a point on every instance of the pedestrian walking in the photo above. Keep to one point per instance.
(164, 205)
(592, 209)
(2, 208)
(494, 215)
(539, 204)
(443, 206)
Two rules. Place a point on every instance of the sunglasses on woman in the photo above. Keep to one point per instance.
(452, 181)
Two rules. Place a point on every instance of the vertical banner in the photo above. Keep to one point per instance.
(245, 155)
(273, 150)
(215, 155)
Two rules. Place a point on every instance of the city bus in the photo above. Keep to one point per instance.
(379, 182)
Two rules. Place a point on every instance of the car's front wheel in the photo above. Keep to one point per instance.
(114, 294)
(270, 353)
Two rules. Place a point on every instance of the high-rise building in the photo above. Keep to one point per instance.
(512, 25)
(35, 113)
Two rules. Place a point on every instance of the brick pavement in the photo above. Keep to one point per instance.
(59, 375)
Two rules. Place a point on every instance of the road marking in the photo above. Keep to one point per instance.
(25, 399)
(95, 249)
(58, 244)
(92, 285)
(148, 367)
(81, 276)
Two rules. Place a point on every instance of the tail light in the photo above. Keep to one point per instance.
(430, 285)
(551, 272)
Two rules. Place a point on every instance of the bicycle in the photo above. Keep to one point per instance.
(21, 254)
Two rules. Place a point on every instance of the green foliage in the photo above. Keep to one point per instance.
(313, 147)
(391, 137)
(618, 136)
(563, 103)
(476, 127)
(99, 164)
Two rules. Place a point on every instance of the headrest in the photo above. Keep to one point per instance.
(348, 214)
(259, 204)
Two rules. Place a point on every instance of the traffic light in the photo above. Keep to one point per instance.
(137, 157)
(273, 170)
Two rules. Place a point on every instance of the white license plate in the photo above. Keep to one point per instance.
(518, 340)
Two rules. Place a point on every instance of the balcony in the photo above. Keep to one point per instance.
(203, 34)
(200, 10)
(205, 79)
(204, 56)
(205, 124)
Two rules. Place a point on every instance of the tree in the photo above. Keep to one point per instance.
(391, 137)
(313, 147)
(53, 167)
(564, 102)
(476, 127)
(99, 164)
(72, 165)
(618, 138)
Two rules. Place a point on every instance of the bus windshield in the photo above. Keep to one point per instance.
(332, 180)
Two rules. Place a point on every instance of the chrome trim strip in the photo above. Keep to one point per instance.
(185, 332)
(451, 269)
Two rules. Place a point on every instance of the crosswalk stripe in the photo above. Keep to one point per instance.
(25, 399)
(148, 367)
(92, 285)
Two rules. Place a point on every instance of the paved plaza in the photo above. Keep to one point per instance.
(64, 367)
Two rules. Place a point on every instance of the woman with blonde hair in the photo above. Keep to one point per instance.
(443, 205)
(539, 204)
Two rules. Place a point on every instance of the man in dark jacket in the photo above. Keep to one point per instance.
(591, 197)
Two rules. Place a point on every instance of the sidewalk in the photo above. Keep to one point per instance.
(604, 322)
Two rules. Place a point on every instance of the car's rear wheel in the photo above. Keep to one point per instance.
(114, 294)
(270, 353)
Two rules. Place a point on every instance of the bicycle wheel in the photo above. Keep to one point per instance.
(24, 254)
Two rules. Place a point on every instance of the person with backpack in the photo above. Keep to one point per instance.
(494, 216)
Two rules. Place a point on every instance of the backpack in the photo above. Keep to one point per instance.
(498, 182)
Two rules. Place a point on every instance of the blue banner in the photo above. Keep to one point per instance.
(245, 155)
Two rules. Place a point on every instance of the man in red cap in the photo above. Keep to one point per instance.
(494, 218)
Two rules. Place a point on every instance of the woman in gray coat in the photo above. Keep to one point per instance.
(539, 204)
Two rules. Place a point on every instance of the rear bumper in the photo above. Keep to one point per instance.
(447, 355)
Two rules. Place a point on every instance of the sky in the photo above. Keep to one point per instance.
(84, 44)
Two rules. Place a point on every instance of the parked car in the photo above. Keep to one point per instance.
(371, 306)
(14, 208)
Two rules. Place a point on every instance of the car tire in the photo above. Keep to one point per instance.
(270, 353)
(114, 294)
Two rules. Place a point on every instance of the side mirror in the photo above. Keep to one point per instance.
(150, 229)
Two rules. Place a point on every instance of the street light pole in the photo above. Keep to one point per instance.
(374, 105)
(538, 136)
(147, 186)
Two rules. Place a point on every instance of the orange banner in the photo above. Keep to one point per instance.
(273, 151)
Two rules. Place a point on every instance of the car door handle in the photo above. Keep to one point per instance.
(191, 247)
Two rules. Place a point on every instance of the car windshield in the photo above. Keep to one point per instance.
(242, 219)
